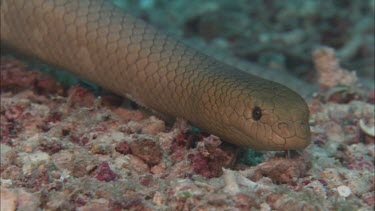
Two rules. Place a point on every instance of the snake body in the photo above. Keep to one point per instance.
(99, 42)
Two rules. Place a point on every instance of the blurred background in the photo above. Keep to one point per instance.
(276, 34)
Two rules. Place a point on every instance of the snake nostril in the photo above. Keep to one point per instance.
(283, 126)
(284, 129)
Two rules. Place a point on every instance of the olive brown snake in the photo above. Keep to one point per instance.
(97, 41)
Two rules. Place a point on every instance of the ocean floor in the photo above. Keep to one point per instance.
(68, 149)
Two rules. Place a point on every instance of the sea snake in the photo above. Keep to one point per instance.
(99, 42)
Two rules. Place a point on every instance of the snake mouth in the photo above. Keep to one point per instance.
(259, 144)
(272, 142)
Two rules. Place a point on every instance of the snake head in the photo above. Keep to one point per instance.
(268, 116)
(246, 110)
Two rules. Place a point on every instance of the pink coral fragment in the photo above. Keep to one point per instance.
(104, 173)
(13, 113)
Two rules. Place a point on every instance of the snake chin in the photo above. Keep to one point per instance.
(273, 142)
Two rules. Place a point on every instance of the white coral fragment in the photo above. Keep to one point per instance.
(344, 191)
(231, 185)
(368, 128)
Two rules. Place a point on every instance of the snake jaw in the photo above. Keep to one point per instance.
(273, 142)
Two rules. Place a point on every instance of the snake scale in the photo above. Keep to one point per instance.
(99, 42)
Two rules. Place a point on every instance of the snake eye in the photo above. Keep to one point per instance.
(257, 113)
